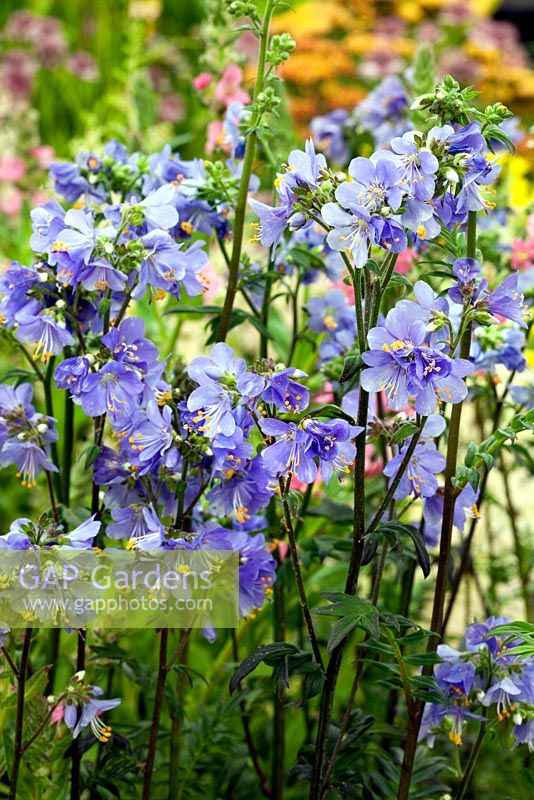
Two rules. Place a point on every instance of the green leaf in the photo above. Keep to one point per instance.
(354, 612)
(351, 367)
(268, 653)
(331, 411)
(405, 430)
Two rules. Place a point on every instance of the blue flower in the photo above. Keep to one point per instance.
(523, 395)
(225, 387)
(68, 181)
(114, 390)
(419, 477)
(91, 709)
(465, 506)
(328, 132)
(376, 182)
(507, 301)
(243, 488)
(419, 166)
(291, 453)
(139, 524)
(82, 537)
(257, 567)
(273, 220)
(401, 365)
(284, 393)
(70, 374)
(47, 222)
(128, 345)
(147, 436)
(352, 231)
(15, 284)
(384, 112)
(158, 208)
(467, 274)
(48, 334)
(98, 275)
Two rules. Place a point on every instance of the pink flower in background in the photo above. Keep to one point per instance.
(283, 549)
(18, 70)
(522, 253)
(11, 202)
(39, 198)
(299, 486)
(373, 462)
(83, 65)
(216, 137)
(229, 90)
(171, 108)
(405, 261)
(347, 290)
(12, 168)
(326, 396)
(248, 46)
(202, 81)
(211, 281)
(44, 155)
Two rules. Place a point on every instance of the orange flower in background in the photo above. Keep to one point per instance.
(345, 46)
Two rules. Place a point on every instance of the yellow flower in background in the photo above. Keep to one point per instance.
(520, 186)
(315, 18)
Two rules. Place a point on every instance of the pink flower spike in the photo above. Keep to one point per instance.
(12, 168)
(229, 90)
(202, 81)
(44, 155)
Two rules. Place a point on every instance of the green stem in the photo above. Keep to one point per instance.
(265, 789)
(68, 443)
(279, 711)
(240, 212)
(156, 714)
(264, 342)
(397, 479)
(469, 767)
(177, 716)
(47, 384)
(18, 750)
(305, 608)
(449, 500)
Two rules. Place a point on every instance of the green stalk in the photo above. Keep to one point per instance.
(334, 665)
(293, 551)
(68, 443)
(156, 714)
(248, 160)
(47, 384)
(18, 749)
(449, 500)
(469, 767)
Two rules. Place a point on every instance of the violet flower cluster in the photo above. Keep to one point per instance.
(485, 682)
